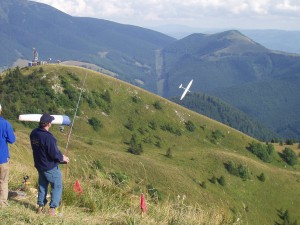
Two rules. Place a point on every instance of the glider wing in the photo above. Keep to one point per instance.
(186, 90)
(58, 119)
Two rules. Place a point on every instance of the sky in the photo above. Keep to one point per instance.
(209, 14)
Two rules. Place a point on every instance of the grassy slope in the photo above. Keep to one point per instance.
(195, 159)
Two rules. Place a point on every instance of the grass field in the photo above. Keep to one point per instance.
(191, 185)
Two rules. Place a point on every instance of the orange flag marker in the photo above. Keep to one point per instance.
(77, 188)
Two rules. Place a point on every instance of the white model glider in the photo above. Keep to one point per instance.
(186, 90)
(58, 119)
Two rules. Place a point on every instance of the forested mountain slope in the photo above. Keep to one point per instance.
(218, 110)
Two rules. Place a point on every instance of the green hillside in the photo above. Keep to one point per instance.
(126, 141)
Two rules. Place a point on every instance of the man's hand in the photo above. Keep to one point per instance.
(66, 159)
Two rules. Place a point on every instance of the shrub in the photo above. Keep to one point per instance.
(171, 129)
(135, 147)
(213, 179)
(69, 90)
(158, 144)
(90, 100)
(231, 168)
(263, 152)
(106, 96)
(239, 171)
(136, 99)
(289, 142)
(169, 153)
(119, 178)
(289, 156)
(285, 218)
(203, 184)
(90, 142)
(102, 100)
(217, 134)
(129, 125)
(41, 70)
(262, 177)
(270, 149)
(153, 192)
(190, 126)
(221, 181)
(142, 130)
(96, 165)
(243, 172)
(147, 140)
(157, 105)
(152, 124)
(95, 123)
(24, 94)
(73, 76)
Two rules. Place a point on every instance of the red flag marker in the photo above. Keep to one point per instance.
(77, 188)
(143, 203)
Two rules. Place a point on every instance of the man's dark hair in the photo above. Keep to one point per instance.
(42, 124)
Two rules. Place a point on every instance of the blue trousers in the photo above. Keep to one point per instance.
(54, 178)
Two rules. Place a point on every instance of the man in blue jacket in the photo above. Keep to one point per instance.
(6, 136)
(47, 157)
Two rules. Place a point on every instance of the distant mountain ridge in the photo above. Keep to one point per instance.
(222, 60)
(123, 49)
(280, 40)
(260, 82)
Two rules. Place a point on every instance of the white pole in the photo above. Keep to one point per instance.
(69, 135)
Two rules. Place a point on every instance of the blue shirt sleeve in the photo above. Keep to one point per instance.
(10, 136)
(6, 136)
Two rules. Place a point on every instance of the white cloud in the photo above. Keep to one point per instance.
(288, 5)
(195, 12)
(260, 7)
